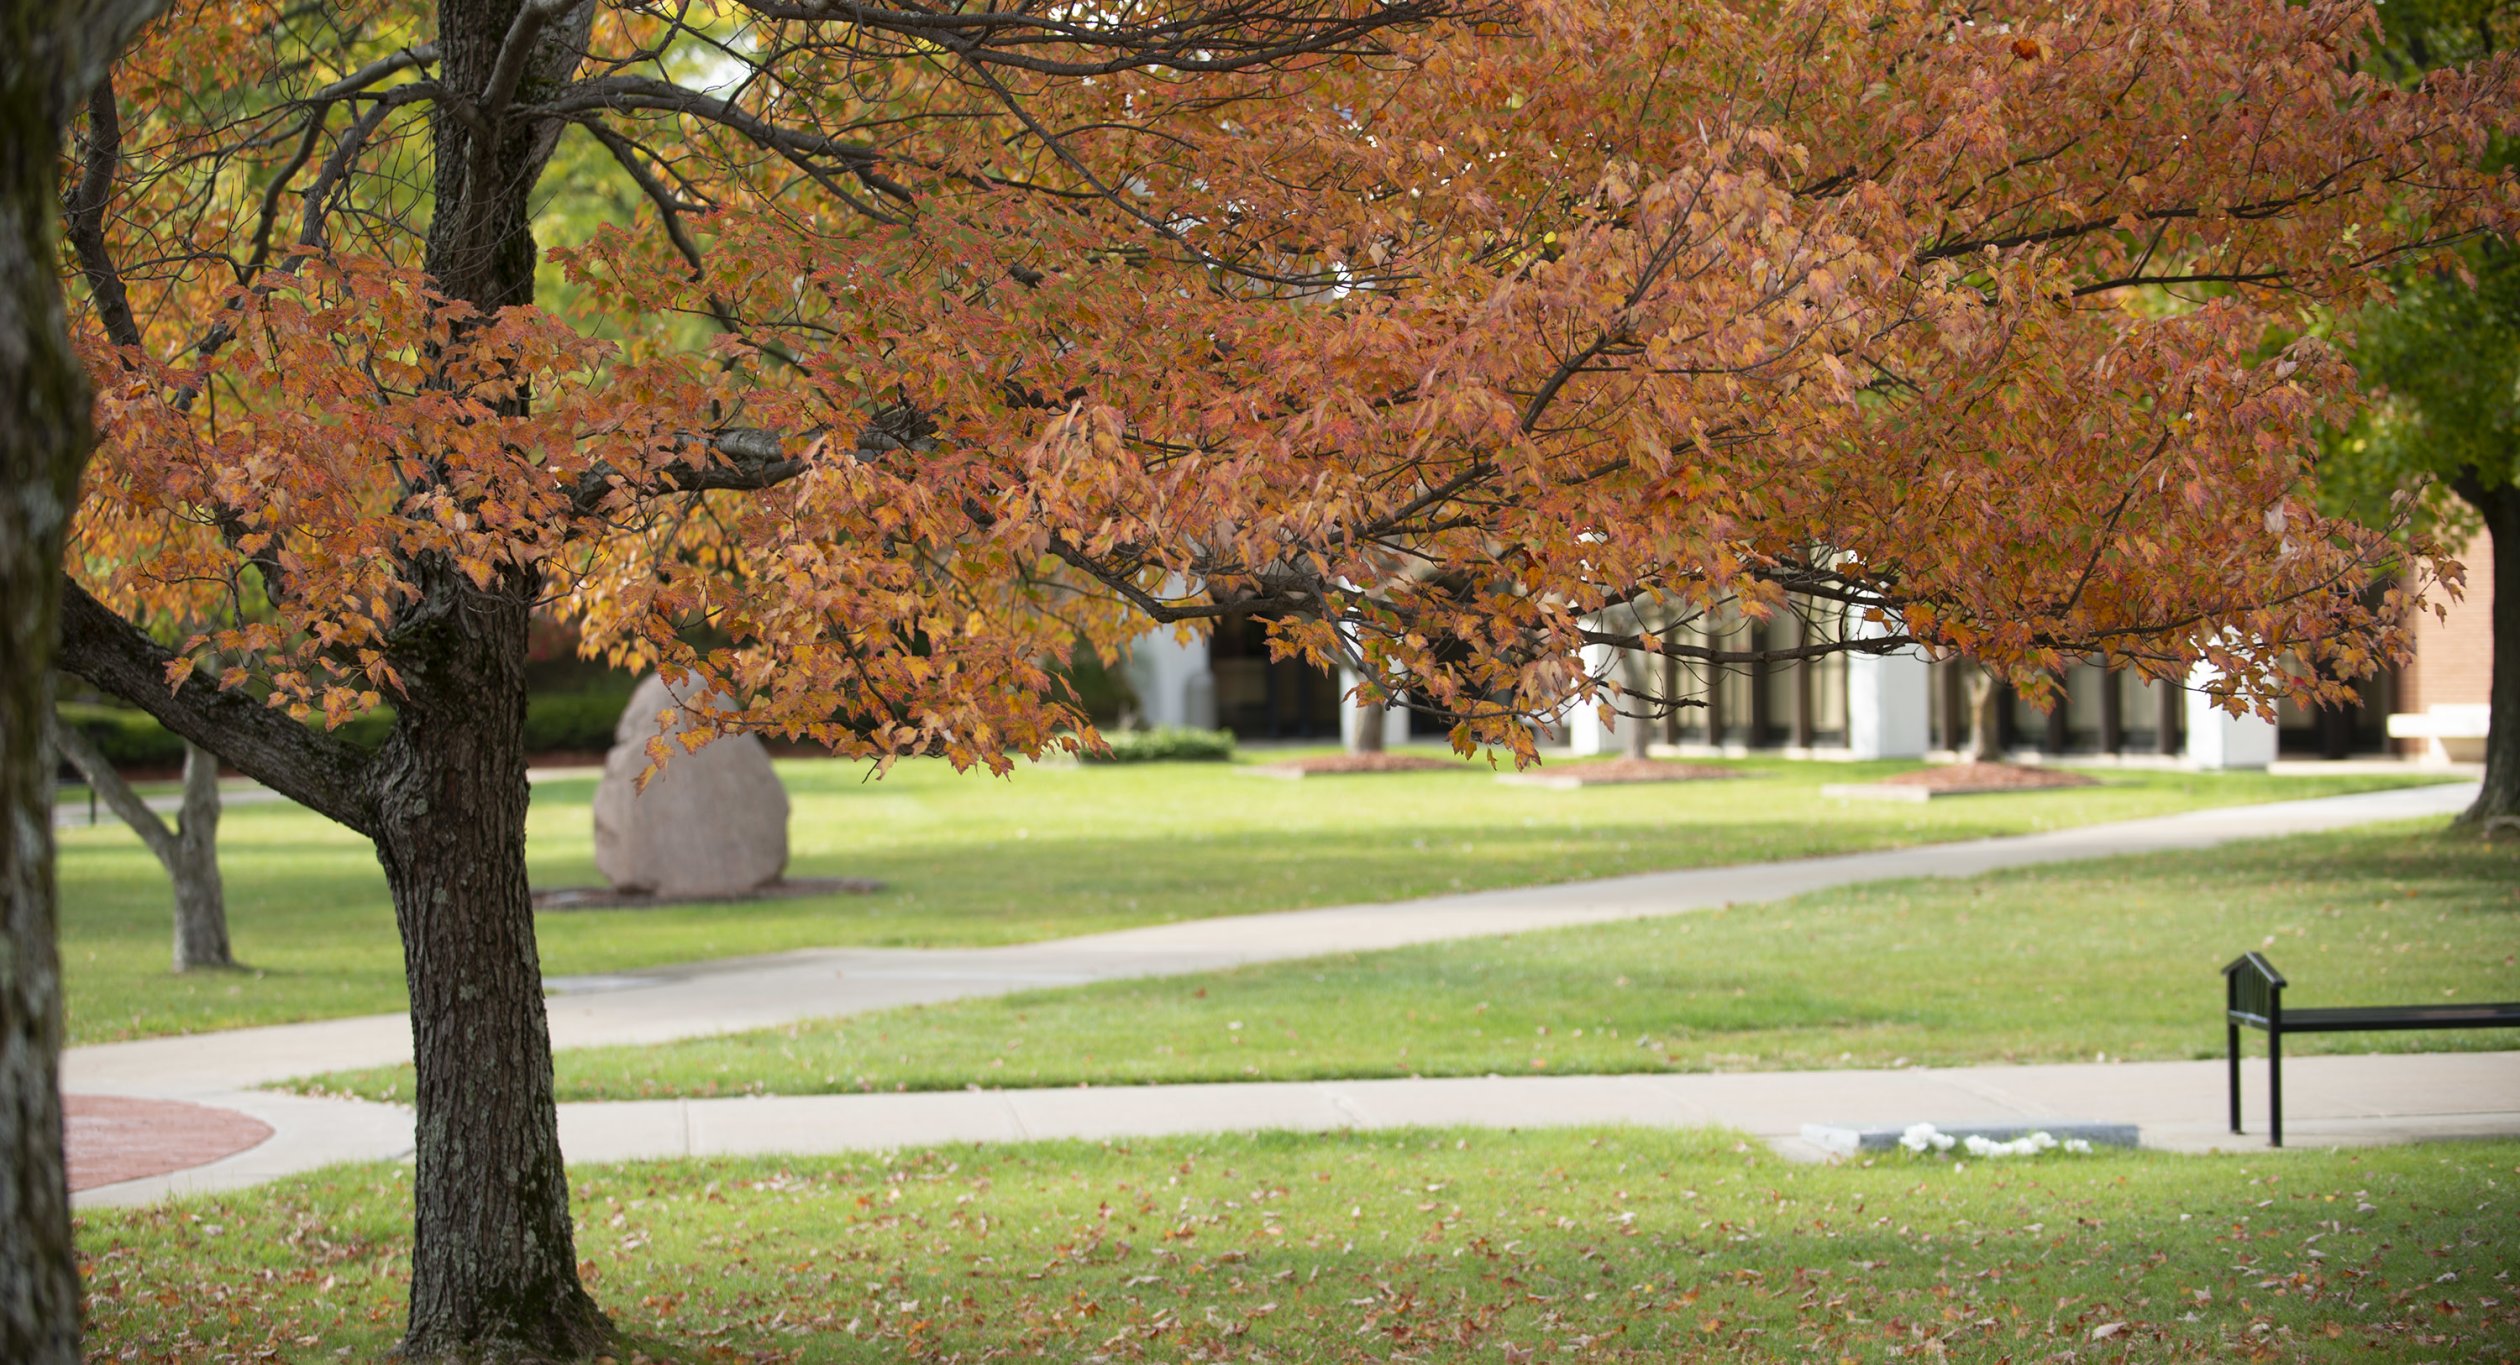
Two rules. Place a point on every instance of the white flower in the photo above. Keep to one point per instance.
(2028, 1144)
(1921, 1136)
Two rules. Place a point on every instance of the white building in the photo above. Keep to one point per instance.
(1848, 706)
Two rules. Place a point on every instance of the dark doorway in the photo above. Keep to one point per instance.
(1258, 697)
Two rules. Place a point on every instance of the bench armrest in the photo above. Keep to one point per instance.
(2253, 991)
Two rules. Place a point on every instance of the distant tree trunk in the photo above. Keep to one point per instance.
(1369, 730)
(1362, 731)
(189, 851)
(494, 1261)
(1636, 734)
(1986, 743)
(2498, 799)
(54, 53)
(201, 929)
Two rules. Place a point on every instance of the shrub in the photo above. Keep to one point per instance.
(570, 722)
(1170, 744)
(127, 738)
(573, 722)
(1102, 688)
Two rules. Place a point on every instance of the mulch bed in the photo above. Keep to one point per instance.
(1331, 765)
(108, 1139)
(606, 898)
(1616, 772)
(1988, 777)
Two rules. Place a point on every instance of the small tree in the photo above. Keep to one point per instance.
(187, 849)
(1430, 336)
(2446, 356)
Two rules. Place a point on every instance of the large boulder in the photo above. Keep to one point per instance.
(713, 823)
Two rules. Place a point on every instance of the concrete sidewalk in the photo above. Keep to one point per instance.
(2332, 1101)
(663, 1004)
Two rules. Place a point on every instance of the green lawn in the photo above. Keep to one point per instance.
(2058, 963)
(1053, 851)
(1611, 1245)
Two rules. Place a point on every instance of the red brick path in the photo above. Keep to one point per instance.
(111, 1139)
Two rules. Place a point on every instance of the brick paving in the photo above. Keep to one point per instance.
(111, 1138)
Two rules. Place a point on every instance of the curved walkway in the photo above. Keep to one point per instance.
(2335, 1098)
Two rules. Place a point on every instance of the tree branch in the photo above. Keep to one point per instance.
(100, 158)
(627, 93)
(1232, 36)
(748, 459)
(72, 743)
(515, 51)
(325, 774)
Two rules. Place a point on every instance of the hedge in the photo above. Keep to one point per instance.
(574, 722)
(1168, 744)
(128, 739)
(565, 722)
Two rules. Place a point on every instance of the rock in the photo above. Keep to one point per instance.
(711, 824)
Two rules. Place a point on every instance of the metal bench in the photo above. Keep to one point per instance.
(2253, 994)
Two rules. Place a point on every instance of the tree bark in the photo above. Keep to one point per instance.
(1985, 726)
(189, 850)
(2498, 799)
(54, 53)
(44, 437)
(494, 1262)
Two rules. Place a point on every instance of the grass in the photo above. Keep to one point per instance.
(1605, 1245)
(2060, 963)
(1056, 850)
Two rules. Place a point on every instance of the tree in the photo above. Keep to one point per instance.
(49, 55)
(944, 338)
(188, 849)
(2446, 355)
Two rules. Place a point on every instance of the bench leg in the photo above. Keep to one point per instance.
(2275, 1086)
(2233, 1047)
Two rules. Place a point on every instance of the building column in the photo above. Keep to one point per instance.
(1580, 722)
(2218, 740)
(1171, 678)
(1889, 699)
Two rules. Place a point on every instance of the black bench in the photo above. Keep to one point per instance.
(2253, 994)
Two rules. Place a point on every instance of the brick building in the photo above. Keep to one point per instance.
(2445, 692)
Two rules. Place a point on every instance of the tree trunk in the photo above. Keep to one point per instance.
(1985, 724)
(494, 1261)
(54, 52)
(1636, 734)
(2498, 800)
(189, 850)
(1369, 729)
(201, 932)
(43, 439)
